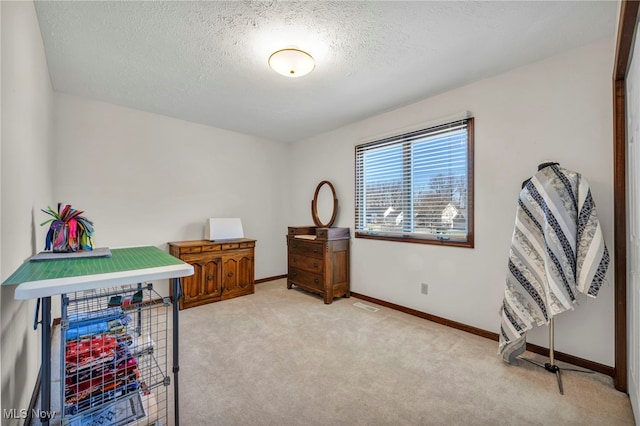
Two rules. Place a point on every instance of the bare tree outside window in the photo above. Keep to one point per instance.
(416, 187)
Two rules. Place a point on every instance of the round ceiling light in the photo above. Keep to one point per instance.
(291, 62)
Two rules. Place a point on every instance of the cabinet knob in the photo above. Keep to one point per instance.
(295, 273)
(230, 274)
(315, 265)
(315, 280)
(315, 250)
(209, 277)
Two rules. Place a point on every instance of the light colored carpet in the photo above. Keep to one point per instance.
(283, 357)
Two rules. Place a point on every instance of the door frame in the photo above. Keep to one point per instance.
(624, 45)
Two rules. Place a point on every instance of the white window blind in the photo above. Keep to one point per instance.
(417, 186)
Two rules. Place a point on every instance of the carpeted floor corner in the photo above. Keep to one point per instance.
(283, 357)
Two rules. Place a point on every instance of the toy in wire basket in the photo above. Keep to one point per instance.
(69, 231)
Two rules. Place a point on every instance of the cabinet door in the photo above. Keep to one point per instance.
(238, 275)
(204, 284)
(192, 287)
(211, 278)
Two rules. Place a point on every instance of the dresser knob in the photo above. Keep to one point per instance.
(315, 250)
(209, 277)
(315, 265)
(315, 280)
(295, 273)
(230, 274)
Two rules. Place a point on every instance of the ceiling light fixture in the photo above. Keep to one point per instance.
(292, 62)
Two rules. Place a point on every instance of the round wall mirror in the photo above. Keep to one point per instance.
(324, 206)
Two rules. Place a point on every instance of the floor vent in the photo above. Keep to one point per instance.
(365, 307)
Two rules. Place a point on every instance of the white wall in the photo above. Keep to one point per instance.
(633, 228)
(147, 179)
(25, 188)
(556, 109)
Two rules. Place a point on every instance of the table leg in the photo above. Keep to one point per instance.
(45, 385)
(177, 294)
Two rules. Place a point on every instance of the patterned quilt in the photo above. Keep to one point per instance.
(557, 251)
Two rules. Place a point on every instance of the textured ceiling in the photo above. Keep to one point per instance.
(206, 62)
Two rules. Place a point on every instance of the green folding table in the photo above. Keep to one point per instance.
(43, 279)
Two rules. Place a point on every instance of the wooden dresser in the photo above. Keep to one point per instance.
(222, 270)
(319, 260)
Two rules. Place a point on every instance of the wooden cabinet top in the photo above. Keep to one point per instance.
(197, 246)
(191, 243)
(321, 234)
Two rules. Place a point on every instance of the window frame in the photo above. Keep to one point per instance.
(409, 236)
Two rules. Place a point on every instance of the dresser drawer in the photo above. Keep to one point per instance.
(191, 249)
(306, 278)
(306, 248)
(311, 264)
(230, 246)
(200, 257)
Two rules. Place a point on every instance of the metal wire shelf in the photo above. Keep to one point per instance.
(113, 350)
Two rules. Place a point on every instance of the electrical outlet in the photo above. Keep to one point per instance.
(424, 288)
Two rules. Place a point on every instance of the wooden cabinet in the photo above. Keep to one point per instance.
(319, 260)
(222, 270)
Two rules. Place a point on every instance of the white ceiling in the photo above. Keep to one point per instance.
(206, 62)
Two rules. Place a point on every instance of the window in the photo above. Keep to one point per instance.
(417, 187)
